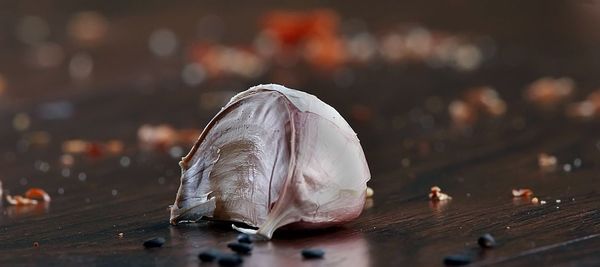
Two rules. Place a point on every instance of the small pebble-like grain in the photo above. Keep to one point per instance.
(312, 253)
(154, 242)
(486, 241)
(208, 255)
(458, 259)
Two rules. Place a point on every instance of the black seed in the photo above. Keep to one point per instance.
(244, 238)
(154, 242)
(230, 260)
(457, 259)
(208, 255)
(241, 248)
(486, 241)
(312, 253)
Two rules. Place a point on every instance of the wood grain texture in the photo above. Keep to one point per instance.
(399, 227)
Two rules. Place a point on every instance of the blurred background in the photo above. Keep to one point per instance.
(128, 81)
(100, 99)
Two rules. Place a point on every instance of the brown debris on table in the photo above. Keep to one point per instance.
(164, 136)
(437, 195)
(466, 111)
(33, 196)
(546, 160)
(549, 91)
(523, 192)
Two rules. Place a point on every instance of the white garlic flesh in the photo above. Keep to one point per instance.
(274, 157)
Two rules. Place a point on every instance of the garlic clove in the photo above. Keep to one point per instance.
(272, 157)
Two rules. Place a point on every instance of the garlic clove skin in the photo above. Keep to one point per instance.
(273, 157)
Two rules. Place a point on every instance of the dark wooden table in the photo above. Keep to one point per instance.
(409, 145)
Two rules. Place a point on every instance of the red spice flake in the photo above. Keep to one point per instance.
(524, 192)
(32, 197)
(548, 91)
(437, 195)
(20, 201)
(545, 160)
(93, 150)
(312, 33)
(291, 28)
(37, 194)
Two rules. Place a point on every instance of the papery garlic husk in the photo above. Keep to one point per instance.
(273, 157)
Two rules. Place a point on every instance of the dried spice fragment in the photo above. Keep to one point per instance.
(524, 192)
(546, 160)
(37, 194)
(437, 195)
(461, 113)
(370, 192)
(548, 91)
(486, 99)
(20, 201)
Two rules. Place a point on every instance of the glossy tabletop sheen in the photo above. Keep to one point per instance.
(407, 155)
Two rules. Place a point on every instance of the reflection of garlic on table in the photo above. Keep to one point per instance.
(273, 157)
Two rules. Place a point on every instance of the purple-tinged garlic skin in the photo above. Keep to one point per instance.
(273, 157)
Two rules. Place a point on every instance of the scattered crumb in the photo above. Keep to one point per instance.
(535, 200)
(461, 113)
(487, 99)
(524, 192)
(558, 201)
(370, 192)
(545, 160)
(548, 91)
(437, 195)
(120, 235)
(582, 110)
(32, 197)
(164, 136)
(20, 201)
(90, 148)
(586, 109)
(37, 194)
(543, 202)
